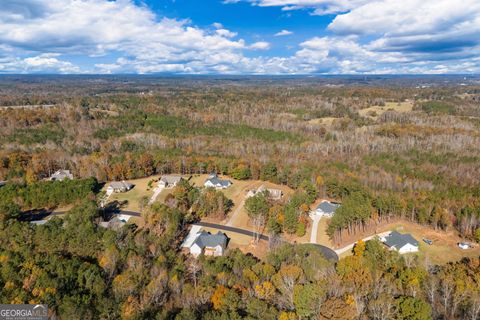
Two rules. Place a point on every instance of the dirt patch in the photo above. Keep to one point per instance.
(326, 121)
(375, 111)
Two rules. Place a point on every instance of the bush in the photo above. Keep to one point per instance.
(300, 229)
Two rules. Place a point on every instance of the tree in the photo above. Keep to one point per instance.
(307, 299)
(412, 309)
(257, 208)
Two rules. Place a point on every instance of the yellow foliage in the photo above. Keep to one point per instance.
(9, 285)
(266, 290)
(287, 316)
(217, 297)
(3, 258)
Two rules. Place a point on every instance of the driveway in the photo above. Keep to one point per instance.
(236, 213)
(316, 219)
(156, 192)
(231, 229)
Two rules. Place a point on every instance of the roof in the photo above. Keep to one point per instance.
(328, 207)
(398, 240)
(206, 239)
(61, 175)
(2, 183)
(120, 185)
(216, 181)
(171, 179)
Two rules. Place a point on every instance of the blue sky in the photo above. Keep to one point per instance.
(240, 36)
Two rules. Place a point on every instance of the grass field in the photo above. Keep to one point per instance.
(375, 111)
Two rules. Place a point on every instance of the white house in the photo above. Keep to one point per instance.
(403, 243)
(119, 186)
(326, 208)
(61, 175)
(215, 182)
(169, 181)
(209, 244)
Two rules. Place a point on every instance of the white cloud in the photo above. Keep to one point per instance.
(319, 7)
(283, 33)
(47, 62)
(260, 45)
(382, 36)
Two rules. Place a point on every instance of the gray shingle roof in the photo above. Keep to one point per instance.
(328, 207)
(61, 175)
(170, 179)
(117, 185)
(206, 239)
(398, 240)
(216, 181)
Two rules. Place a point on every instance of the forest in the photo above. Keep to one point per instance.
(386, 149)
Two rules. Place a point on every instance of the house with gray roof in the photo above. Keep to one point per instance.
(209, 244)
(275, 194)
(61, 175)
(119, 186)
(215, 182)
(326, 208)
(403, 243)
(169, 181)
(2, 183)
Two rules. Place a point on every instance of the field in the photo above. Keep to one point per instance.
(375, 111)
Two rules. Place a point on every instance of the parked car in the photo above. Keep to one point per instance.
(463, 245)
(428, 241)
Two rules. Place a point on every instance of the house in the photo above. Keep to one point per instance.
(119, 186)
(2, 183)
(215, 182)
(275, 194)
(115, 223)
(169, 181)
(326, 208)
(403, 243)
(61, 175)
(209, 244)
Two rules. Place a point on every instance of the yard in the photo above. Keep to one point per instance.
(243, 242)
(132, 198)
(444, 248)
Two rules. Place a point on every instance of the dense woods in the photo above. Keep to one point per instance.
(314, 136)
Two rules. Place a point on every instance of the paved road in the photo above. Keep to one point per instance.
(327, 252)
(228, 228)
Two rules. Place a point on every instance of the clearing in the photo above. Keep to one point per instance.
(327, 121)
(375, 111)
(444, 248)
(243, 242)
(131, 199)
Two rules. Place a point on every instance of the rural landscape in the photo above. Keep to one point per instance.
(327, 198)
(239, 160)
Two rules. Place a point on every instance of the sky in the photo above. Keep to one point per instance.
(240, 37)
